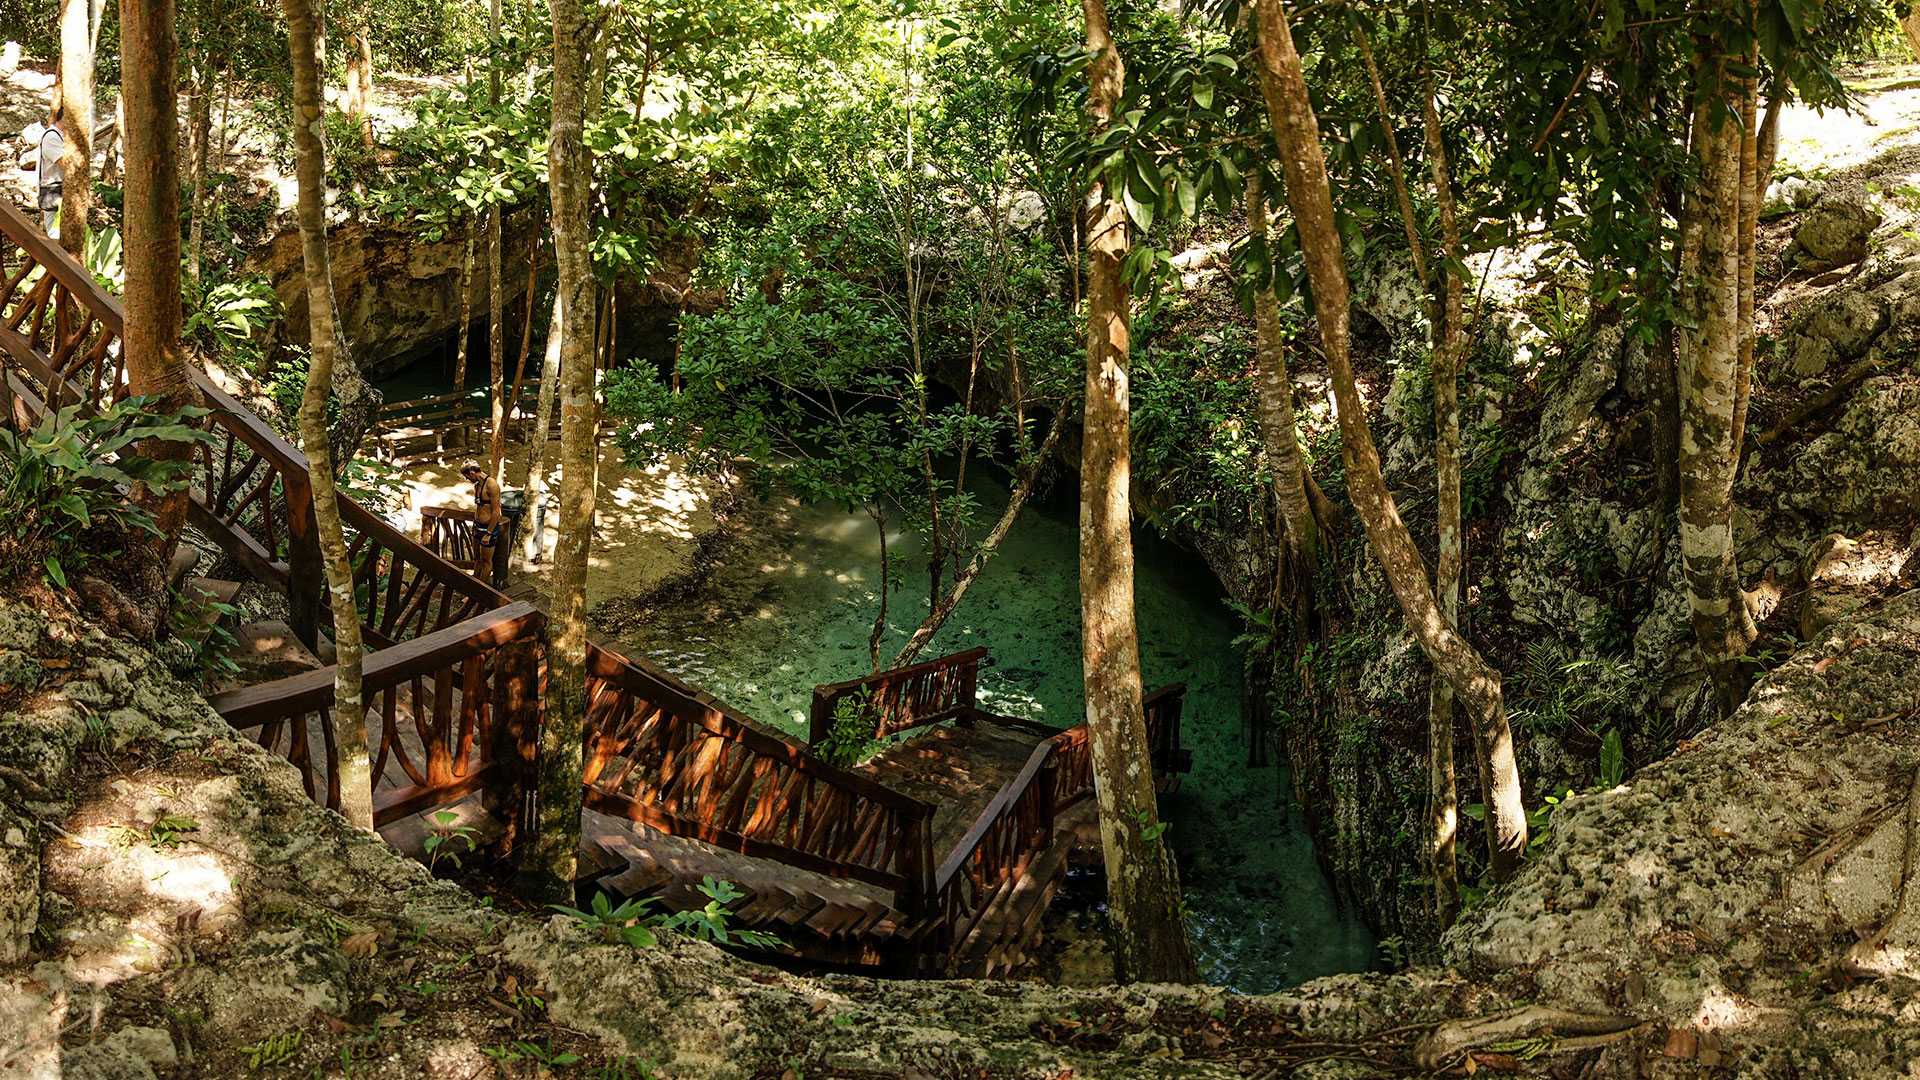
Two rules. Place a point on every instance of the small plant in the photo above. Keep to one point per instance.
(632, 923)
(272, 1051)
(629, 922)
(68, 477)
(1613, 760)
(167, 829)
(851, 738)
(448, 831)
(208, 657)
(710, 923)
(522, 1050)
(1150, 830)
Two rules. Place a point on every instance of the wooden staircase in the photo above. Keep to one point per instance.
(938, 856)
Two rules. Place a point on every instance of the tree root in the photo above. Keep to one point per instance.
(1455, 1038)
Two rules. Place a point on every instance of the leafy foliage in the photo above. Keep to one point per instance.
(64, 484)
(631, 922)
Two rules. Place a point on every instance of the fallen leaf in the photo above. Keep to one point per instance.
(1821, 667)
(362, 946)
(1681, 1043)
(55, 663)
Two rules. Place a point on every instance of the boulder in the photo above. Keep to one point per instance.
(1835, 232)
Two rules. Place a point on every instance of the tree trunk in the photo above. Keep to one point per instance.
(1751, 189)
(200, 123)
(496, 287)
(156, 362)
(358, 100)
(1310, 195)
(944, 607)
(1447, 357)
(1709, 369)
(534, 547)
(76, 108)
(1143, 885)
(309, 131)
(1279, 428)
(466, 314)
(572, 171)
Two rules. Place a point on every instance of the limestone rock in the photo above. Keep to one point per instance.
(1867, 467)
(1793, 193)
(1836, 230)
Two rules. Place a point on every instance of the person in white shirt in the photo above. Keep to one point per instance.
(50, 174)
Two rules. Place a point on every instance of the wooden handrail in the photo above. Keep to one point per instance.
(663, 689)
(948, 683)
(60, 265)
(1008, 794)
(311, 691)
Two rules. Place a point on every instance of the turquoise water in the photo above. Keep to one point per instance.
(798, 612)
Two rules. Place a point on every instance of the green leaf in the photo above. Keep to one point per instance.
(54, 573)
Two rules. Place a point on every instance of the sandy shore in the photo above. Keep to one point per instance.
(651, 522)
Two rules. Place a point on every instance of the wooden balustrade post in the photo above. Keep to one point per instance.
(916, 865)
(820, 716)
(514, 745)
(307, 583)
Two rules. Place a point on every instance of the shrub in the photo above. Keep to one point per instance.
(64, 484)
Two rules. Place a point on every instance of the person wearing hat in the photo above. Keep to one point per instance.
(490, 524)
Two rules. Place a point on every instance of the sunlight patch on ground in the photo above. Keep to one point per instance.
(648, 521)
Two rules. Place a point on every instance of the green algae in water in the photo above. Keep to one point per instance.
(1261, 913)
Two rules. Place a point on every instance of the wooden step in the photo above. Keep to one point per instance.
(1011, 925)
(267, 650)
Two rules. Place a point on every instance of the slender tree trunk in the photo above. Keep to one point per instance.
(1709, 363)
(1143, 885)
(496, 287)
(156, 362)
(1279, 428)
(1447, 359)
(309, 132)
(358, 101)
(1751, 189)
(572, 172)
(1445, 309)
(76, 107)
(526, 328)
(879, 633)
(963, 580)
(534, 547)
(1309, 193)
(466, 314)
(200, 121)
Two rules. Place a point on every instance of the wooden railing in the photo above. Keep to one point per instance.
(456, 711)
(922, 694)
(403, 589)
(1075, 761)
(994, 853)
(450, 532)
(665, 755)
(51, 308)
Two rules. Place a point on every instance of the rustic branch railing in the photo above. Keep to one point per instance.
(53, 308)
(994, 852)
(456, 711)
(919, 695)
(450, 533)
(668, 756)
(1163, 708)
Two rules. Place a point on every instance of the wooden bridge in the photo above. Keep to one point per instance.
(938, 855)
